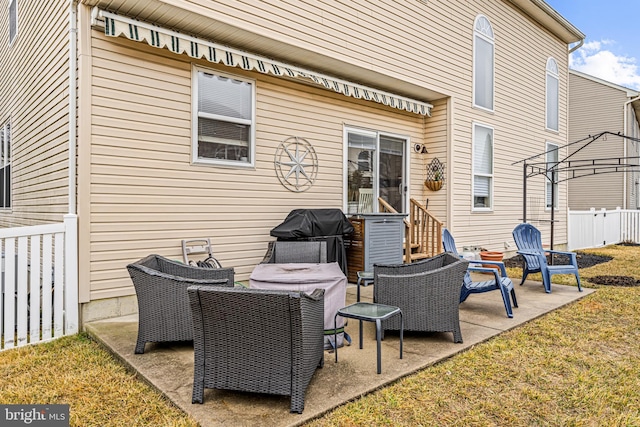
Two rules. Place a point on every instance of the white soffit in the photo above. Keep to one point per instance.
(117, 25)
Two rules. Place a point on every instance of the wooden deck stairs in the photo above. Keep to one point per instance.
(423, 231)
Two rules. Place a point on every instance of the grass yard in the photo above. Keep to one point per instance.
(577, 366)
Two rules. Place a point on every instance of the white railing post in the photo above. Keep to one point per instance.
(71, 273)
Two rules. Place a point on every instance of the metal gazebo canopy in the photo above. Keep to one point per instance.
(573, 168)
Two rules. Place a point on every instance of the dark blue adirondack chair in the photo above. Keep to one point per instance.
(529, 243)
(500, 282)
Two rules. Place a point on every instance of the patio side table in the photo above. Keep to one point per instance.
(371, 312)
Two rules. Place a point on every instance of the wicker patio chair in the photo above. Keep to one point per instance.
(428, 293)
(255, 340)
(281, 252)
(163, 304)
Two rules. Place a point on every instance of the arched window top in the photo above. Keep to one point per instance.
(483, 26)
(552, 66)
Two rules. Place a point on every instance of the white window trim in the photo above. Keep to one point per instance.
(473, 166)
(15, 36)
(546, 181)
(194, 121)
(493, 66)
(556, 75)
(376, 134)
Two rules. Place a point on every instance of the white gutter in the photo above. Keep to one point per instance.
(72, 105)
(624, 148)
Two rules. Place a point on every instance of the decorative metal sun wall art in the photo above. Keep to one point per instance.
(296, 164)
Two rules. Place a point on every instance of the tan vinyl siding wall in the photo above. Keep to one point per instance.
(521, 52)
(430, 44)
(145, 194)
(33, 93)
(596, 108)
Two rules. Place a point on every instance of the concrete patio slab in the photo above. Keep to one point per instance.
(169, 367)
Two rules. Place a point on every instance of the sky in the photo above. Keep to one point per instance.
(611, 49)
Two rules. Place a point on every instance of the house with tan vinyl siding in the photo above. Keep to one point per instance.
(189, 115)
(597, 106)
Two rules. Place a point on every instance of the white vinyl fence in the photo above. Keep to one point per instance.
(39, 299)
(596, 228)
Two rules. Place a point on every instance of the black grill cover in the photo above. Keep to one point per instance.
(329, 225)
(302, 223)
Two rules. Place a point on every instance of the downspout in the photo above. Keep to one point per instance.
(71, 218)
(625, 114)
(72, 105)
(576, 47)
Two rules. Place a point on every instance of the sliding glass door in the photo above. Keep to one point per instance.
(376, 167)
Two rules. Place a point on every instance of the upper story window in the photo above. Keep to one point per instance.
(552, 94)
(223, 119)
(5, 166)
(482, 167)
(551, 182)
(13, 20)
(483, 63)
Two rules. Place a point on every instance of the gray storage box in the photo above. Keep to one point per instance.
(383, 239)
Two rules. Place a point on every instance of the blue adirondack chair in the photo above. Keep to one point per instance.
(529, 243)
(500, 282)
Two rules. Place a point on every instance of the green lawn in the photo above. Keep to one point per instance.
(577, 366)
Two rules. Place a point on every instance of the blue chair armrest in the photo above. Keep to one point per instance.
(487, 270)
(498, 264)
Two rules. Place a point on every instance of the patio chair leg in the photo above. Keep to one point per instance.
(505, 299)
(513, 297)
(457, 335)
(140, 346)
(197, 395)
(578, 279)
(546, 281)
(297, 403)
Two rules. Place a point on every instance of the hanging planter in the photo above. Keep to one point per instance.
(433, 185)
(435, 175)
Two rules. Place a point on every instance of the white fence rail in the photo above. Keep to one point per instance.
(596, 228)
(39, 299)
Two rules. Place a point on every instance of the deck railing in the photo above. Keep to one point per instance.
(39, 279)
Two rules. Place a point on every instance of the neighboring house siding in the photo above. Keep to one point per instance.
(146, 195)
(595, 108)
(33, 95)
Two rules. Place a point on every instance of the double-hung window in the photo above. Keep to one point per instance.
(223, 119)
(483, 63)
(551, 181)
(552, 95)
(5, 166)
(13, 20)
(482, 167)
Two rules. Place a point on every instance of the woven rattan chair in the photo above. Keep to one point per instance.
(163, 304)
(281, 252)
(427, 292)
(254, 340)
